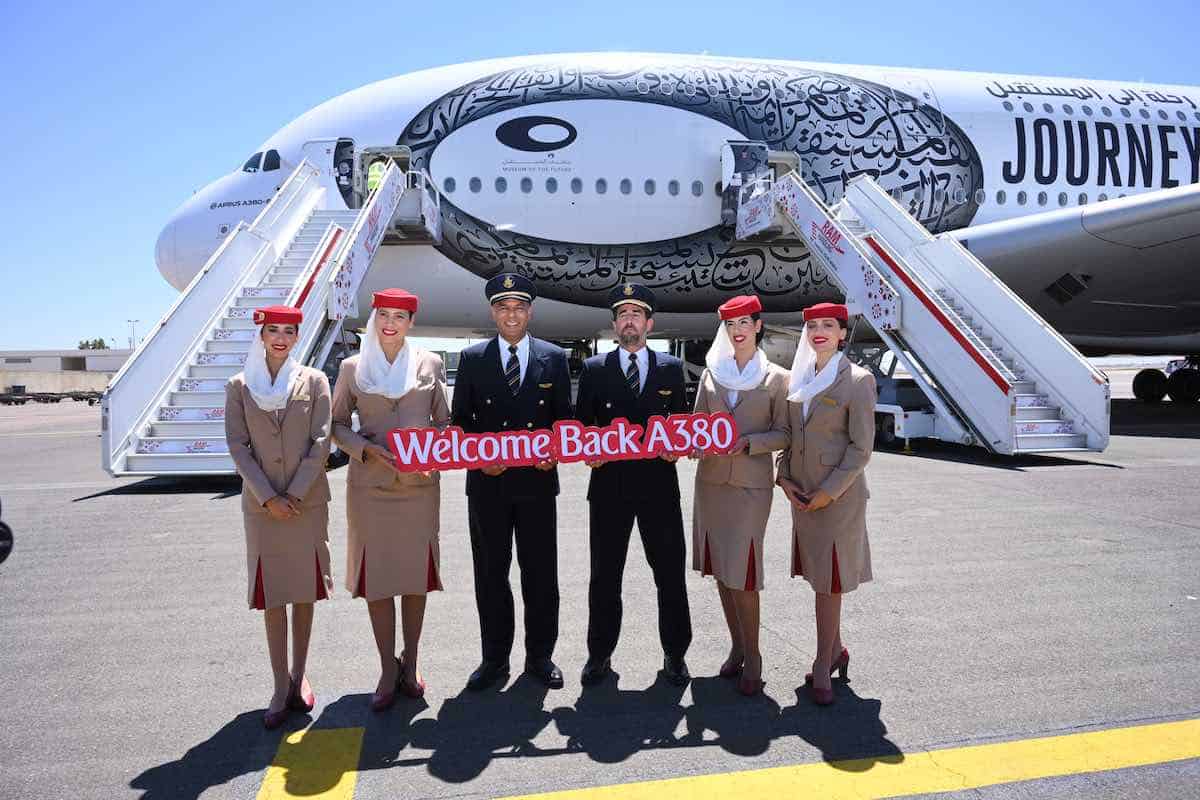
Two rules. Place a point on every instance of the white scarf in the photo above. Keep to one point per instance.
(377, 375)
(723, 366)
(806, 383)
(268, 395)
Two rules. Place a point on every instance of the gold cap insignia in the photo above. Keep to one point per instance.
(629, 290)
(508, 282)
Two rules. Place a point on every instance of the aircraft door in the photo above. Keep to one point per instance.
(335, 159)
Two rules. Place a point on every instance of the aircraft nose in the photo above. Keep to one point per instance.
(166, 254)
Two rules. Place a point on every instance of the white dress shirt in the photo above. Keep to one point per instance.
(522, 354)
(643, 362)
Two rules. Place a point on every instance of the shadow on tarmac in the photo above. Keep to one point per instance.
(607, 723)
(223, 486)
(1162, 420)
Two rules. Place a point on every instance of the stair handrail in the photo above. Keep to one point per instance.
(311, 292)
(247, 250)
(364, 239)
(1024, 335)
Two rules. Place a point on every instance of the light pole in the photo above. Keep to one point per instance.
(132, 331)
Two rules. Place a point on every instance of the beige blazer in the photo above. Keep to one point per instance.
(425, 405)
(284, 453)
(761, 415)
(829, 448)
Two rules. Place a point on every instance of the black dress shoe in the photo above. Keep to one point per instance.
(486, 674)
(595, 671)
(545, 671)
(676, 671)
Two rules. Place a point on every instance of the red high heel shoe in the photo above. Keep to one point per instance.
(749, 687)
(382, 701)
(840, 665)
(303, 703)
(730, 669)
(273, 719)
(413, 690)
(821, 697)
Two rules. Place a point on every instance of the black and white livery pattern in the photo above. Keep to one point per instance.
(839, 126)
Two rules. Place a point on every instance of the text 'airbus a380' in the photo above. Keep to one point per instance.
(586, 171)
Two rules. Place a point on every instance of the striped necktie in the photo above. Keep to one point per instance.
(632, 377)
(512, 370)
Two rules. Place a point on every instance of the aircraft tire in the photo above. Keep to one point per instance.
(885, 431)
(1184, 385)
(1150, 385)
(6, 541)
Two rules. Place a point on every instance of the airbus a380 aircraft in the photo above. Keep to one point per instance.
(587, 170)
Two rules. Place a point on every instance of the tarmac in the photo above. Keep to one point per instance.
(1039, 598)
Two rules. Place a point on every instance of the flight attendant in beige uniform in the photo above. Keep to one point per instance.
(277, 426)
(392, 537)
(733, 492)
(832, 411)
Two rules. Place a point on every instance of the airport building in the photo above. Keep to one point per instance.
(58, 371)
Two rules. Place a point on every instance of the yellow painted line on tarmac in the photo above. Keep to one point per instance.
(314, 764)
(953, 769)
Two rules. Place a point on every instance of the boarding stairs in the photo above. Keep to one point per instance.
(164, 412)
(995, 373)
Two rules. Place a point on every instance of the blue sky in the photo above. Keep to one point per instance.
(112, 114)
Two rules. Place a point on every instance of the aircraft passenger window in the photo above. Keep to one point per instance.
(1008, 106)
(475, 185)
(252, 163)
(501, 185)
(1027, 106)
(1145, 114)
(1068, 110)
(1162, 114)
(1062, 198)
(697, 188)
(601, 186)
(939, 195)
(1049, 109)
(576, 186)
(1001, 196)
(626, 186)
(897, 193)
(960, 196)
(717, 188)
(551, 185)
(1125, 112)
(1182, 116)
(270, 160)
(526, 185)
(919, 194)
(1021, 198)
(649, 187)
(1041, 198)
(980, 197)
(1087, 110)
(1083, 198)
(1107, 111)
(1100, 198)
(1197, 115)
(448, 186)
(673, 188)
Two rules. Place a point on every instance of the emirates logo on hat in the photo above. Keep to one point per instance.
(259, 316)
(629, 290)
(508, 282)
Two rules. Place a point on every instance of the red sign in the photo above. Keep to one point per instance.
(423, 449)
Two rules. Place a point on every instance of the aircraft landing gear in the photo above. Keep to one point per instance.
(1184, 383)
(1150, 385)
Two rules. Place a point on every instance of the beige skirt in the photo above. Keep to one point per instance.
(392, 540)
(728, 526)
(830, 548)
(287, 561)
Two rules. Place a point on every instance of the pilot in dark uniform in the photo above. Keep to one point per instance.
(636, 383)
(513, 382)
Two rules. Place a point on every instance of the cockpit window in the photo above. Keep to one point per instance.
(270, 160)
(252, 163)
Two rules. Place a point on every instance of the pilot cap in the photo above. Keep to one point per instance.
(396, 298)
(632, 293)
(278, 315)
(510, 286)
(826, 311)
(741, 306)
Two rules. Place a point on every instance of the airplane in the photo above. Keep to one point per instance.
(583, 171)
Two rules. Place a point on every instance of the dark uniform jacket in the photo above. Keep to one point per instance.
(604, 396)
(483, 403)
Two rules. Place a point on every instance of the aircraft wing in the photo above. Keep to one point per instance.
(1128, 265)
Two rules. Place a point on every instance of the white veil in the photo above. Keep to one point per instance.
(724, 369)
(268, 395)
(806, 383)
(376, 375)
